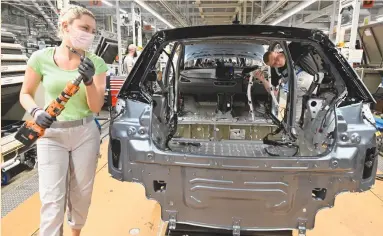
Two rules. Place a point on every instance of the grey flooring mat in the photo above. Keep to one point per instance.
(13, 198)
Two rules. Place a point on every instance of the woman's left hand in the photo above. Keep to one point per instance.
(87, 70)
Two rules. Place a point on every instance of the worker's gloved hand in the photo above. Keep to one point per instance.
(42, 118)
(87, 70)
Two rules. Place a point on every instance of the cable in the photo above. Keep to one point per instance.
(174, 78)
(290, 144)
(113, 118)
(364, 117)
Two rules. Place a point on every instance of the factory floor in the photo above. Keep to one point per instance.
(120, 208)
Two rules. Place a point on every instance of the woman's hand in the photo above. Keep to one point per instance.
(87, 70)
(42, 118)
(95, 85)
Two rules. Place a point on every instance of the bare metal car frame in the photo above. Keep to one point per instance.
(234, 193)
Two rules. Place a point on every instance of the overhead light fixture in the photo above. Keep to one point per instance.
(123, 11)
(107, 3)
(293, 11)
(154, 13)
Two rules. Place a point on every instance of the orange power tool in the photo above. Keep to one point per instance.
(30, 131)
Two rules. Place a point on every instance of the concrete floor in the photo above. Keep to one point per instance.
(119, 207)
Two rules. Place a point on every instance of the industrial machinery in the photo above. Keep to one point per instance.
(371, 68)
(13, 65)
(13, 153)
(107, 48)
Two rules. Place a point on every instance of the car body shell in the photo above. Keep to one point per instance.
(238, 192)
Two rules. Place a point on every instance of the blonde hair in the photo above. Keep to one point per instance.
(69, 14)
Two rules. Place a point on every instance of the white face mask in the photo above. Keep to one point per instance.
(80, 39)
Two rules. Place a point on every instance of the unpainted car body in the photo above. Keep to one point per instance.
(238, 192)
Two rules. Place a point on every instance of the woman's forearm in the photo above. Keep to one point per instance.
(28, 89)
(27, 101)
(95, 98)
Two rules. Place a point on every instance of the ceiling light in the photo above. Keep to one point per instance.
(123, 11)
(293, 11)
(154, 13)
(107, 3)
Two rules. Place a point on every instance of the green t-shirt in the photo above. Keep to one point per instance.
(55, 79)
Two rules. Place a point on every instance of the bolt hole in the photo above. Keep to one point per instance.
(319, 194)
(159, 186)
(313, 103)
(335, 163)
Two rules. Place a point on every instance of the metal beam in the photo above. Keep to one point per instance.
(200, 9)
(244, 12)
(273, 8)
(332, 24)
(238, 10)
(52, 7)
(47, 19)
(218, 5)
(311, 17)
(119, 43)
(355, 24)
(217, 20)
(228, 14)
(180, 18)
(252, 11)
(221, 13)
(153, 12)
(263, 5)
(297, 8)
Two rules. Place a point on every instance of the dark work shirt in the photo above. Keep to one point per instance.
(296, 51)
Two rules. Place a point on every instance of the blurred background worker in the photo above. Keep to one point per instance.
(130, 58)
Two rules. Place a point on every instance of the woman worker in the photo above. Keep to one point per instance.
(67, 153)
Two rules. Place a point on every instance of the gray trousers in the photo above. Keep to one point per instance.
(67, 161)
